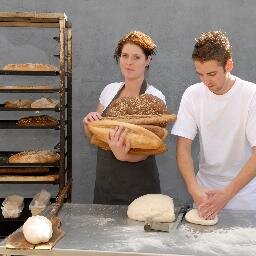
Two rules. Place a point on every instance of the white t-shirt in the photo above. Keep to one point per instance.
(110, 91)
(226, 125)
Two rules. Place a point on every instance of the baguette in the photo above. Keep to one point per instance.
(157, 130)
(159, 120)
(139, 137)
(135, 151)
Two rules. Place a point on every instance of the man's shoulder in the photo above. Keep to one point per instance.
(247, 86)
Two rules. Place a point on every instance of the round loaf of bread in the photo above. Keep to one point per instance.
(145, 104)
(40, 156)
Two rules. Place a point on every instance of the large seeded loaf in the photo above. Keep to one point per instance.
(145, 104)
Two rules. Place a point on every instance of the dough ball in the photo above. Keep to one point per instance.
(37, 229)
(193, 217)
(156, 206)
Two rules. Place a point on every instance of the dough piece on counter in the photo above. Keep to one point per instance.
(193, 217)
(156, 207)
(12, 206)
(37, 229)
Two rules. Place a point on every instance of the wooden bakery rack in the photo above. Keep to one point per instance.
(60, 172)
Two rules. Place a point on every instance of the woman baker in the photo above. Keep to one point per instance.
(122, 177)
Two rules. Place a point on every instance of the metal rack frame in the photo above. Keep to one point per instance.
(47, 20)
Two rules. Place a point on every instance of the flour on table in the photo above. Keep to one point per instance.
(193, 217)
(156, 206)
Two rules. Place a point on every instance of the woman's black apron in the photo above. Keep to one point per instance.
(119, 182)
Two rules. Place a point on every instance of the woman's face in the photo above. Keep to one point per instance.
(133, 61)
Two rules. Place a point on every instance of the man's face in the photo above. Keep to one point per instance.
(213, 75)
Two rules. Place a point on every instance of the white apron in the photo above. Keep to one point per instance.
(241, 201)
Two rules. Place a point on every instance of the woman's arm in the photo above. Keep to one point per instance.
(120, 146)
(92, 116)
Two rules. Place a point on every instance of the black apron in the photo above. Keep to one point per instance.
(118, 182)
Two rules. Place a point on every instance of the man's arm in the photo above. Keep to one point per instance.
(186, 168)
(219, 198)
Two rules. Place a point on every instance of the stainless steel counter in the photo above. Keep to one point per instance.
(106, 230)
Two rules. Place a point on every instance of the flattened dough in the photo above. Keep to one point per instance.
(193, 217)
(156, 206)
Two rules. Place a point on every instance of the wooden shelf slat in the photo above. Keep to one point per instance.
(30, 178)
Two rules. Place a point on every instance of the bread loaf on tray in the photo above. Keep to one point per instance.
(35, 156)
(22, 103)
(30, 67)
(42, 120)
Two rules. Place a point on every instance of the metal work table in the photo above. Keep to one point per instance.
(106, 230)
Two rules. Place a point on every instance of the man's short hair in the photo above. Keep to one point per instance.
(212, 45)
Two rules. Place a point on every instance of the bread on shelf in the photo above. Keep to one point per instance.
(35, 156)
(39, 202)
(29, 67)
(21, 103)
(25, 87)
(44, 103)
(42, 120)
(12, 206)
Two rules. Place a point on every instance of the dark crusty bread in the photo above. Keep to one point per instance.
(35, 156)
(145, 104)
(43, 120)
